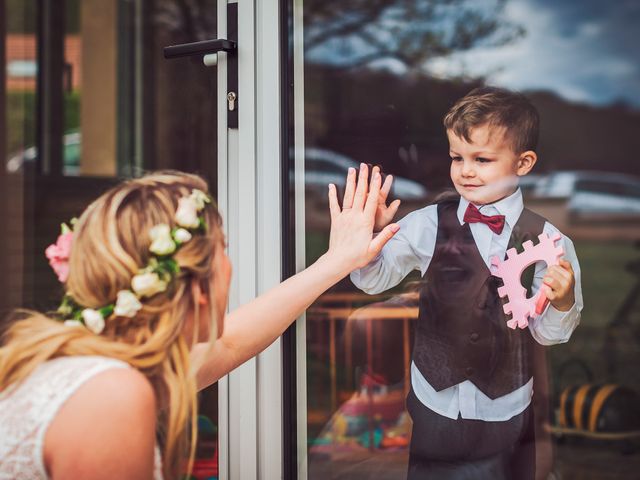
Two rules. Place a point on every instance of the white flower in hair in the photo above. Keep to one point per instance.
(199, 198)
(161, 241)
(147, 284)
(155, 277)
(187, 213)
(181, 235)
(73, 323)
(94, 320)
(127, 304)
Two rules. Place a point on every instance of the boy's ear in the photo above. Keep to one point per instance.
(526, 162)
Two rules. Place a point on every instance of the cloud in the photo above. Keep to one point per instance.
(583, 50)
(578, 62)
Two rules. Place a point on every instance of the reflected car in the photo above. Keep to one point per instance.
(18, 161)
(594, 195)
(323, 167)
(529, 183)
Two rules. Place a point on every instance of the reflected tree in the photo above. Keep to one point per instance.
(193, 19)
(183, 103)
(356, 33)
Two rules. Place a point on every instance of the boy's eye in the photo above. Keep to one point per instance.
(483, 160)
(456, 159)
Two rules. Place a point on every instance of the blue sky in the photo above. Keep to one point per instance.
(584, 50)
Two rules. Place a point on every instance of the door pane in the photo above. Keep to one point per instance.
(87, 99)
(378, 79)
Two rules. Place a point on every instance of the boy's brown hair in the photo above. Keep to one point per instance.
(496, 107)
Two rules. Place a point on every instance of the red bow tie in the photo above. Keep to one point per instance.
(494, 222)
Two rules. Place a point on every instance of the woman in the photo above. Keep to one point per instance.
(142, 326)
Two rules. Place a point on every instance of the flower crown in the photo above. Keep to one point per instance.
(154, 278)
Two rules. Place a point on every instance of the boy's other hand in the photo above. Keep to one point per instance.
(560, 283)
(384, 213)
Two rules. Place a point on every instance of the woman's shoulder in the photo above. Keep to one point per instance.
(111, 394)
(109, 418)
(109, 382)
(58, 378)
(103, 394)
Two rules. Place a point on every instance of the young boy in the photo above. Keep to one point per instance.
(472, 377)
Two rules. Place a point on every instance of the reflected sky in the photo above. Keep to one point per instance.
(584, 50)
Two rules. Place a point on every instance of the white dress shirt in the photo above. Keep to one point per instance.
(412, 248)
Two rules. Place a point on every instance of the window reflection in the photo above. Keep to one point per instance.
(379, 77)
(87, 99)
(20, 84)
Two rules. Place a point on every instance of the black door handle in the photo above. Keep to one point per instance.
(200, 48)
(206, 47)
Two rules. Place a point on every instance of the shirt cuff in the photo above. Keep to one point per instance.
(554, 326)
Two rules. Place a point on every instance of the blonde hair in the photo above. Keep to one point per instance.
(111, 243)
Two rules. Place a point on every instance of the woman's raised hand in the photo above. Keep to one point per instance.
(351, 238)
(255, 325)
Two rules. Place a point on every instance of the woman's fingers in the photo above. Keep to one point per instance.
(334, 207)
(382, 238)
(374, 192)
(361, 189)
(350, 189)
(352, 225)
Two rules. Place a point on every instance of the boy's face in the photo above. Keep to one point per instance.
(486, 169)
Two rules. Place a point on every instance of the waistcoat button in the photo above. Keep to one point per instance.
(469, 371)
(474, 337)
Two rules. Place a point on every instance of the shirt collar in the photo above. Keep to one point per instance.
(511, 207)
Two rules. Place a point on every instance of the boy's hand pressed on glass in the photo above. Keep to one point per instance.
(560, 283)
(384, 213)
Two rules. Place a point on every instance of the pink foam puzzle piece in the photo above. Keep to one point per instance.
(510, 271)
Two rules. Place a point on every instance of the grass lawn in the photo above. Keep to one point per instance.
(605, 280)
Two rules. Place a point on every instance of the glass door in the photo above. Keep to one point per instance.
(372, 83)
(87, 99)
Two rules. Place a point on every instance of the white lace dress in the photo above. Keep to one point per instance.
(27, 411)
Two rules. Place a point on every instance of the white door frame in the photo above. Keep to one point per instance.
(250, 397)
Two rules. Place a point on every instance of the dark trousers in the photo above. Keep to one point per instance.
(446, 449)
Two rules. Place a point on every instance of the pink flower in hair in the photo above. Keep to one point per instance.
(58, 255)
